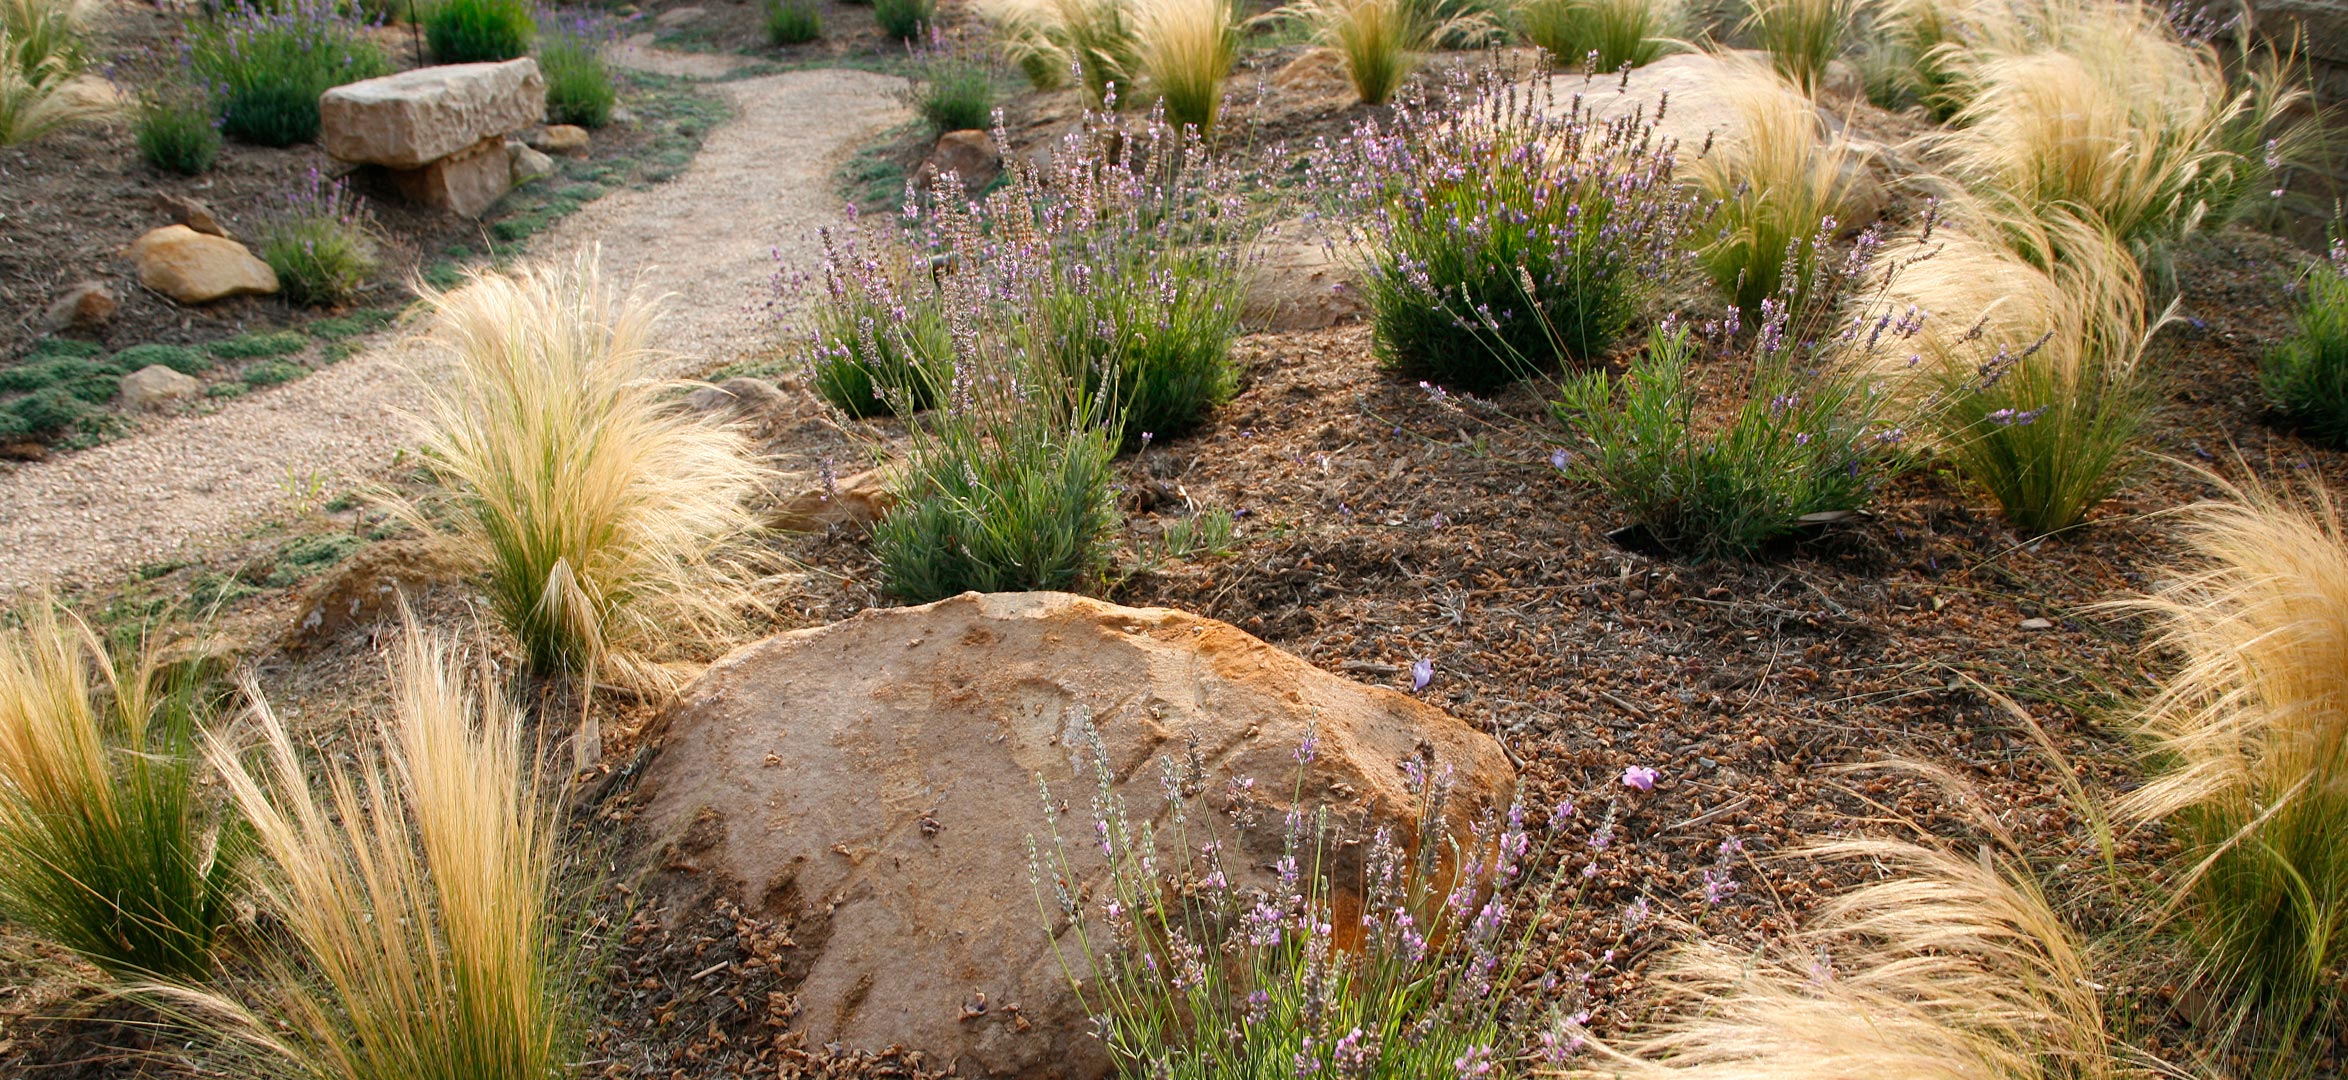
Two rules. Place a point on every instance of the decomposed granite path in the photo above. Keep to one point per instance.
(760, 186)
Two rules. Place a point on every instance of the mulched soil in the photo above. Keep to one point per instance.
(1381, 525)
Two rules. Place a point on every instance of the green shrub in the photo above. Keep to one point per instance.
(477, 31)
(1797, 443)
(258, 344)
(792, 22)
(1001, 495)
(952, 92)
(905, 20)
(580, 88)
(176, 132)
(105, 847)
(1507, 235)
(179, 358)
(273, 373)
(269, 68)
(319, 241)
(2306, 377)
(1603, 35)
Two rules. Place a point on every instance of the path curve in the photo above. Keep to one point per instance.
(761, 184)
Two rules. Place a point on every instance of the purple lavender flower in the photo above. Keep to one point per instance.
(1640, 777)
(1422, 672)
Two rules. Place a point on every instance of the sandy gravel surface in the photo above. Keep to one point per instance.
(760, 186)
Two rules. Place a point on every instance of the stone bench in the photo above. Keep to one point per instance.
(440, 131)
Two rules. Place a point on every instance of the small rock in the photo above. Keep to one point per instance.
(2037, 624)
(193, 268)
(567, 139)
(527, 164)
(676, 17)
(621, 114)
(154, 386)
(971, 155)
(189, 212)
(86, 304)
(855, 502)
(741, 399)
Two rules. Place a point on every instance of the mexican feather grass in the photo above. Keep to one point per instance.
(420, 942)
(105, 845)
(2250, 747)
(609, 519)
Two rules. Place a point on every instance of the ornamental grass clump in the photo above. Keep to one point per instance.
(37, 100)
(269, 65)
(904, 20)
(47, 34)
(1098, 40)
(608, 521)
(1509, 233)
(320, 241)
(417, 928)
(1944, 964)
(1774, 181)
(1186, 48)
(2306, 377)
(952, 89)
(1378, 41)
(1348, 956)
(2043, 413)
(792, 22)
(1802, 36)
(1603, 35)
(106, 845)
(1800, 436)
(2248, 746)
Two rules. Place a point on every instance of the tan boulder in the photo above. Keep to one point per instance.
(854, 502)
(192, 213)
(414, 118)
(86, 304)
(1299, 281)
(195, 268)
(873, 785)
(155, 386)
(971, 155)
(566, 139)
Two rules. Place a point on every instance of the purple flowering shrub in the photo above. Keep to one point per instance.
(881, 345)
(1511, 231)
(268, 65)
(1804, 438)
(1381, 957)
(580, 88)
(320, 240)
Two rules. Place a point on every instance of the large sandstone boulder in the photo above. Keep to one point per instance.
(195, 268)
(1297, 280)
(873, 783)
(414, 118)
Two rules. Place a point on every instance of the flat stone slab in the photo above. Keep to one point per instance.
(414, 118)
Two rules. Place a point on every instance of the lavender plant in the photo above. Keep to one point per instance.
(478, 31)
(952, 89)
(320, 241)
(1354, 957)
(269, 66)
(1511, 231)
(580, 88)
(881, 345)
(1138, 293)
(1804, 435)
(175, 129)
(792, 22)
(2306, 377)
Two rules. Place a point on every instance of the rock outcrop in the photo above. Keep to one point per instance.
(873, 784)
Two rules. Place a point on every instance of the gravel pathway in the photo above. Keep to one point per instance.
(709, 239)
